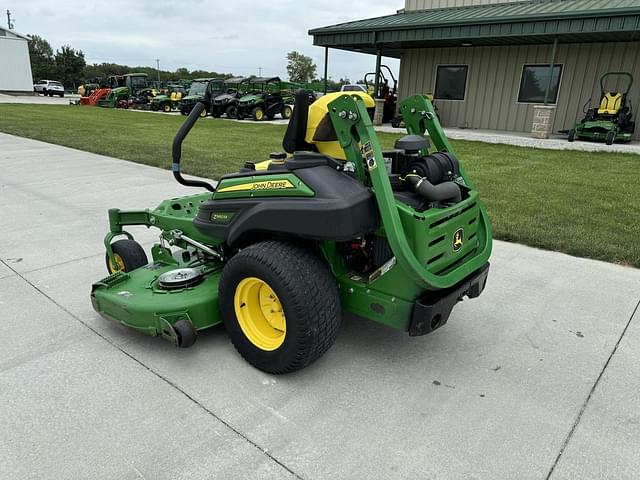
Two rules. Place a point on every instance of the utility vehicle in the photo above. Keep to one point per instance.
(122, 88)
(269, 98)
(278, 250)
(201, 90)
(227, 102)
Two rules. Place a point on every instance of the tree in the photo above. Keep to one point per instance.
(300, 68)
(70, 65)
(41, 54)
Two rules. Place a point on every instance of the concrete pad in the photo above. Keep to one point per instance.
(73, 406)
(69, 198)
(519, 139)
(606, 442)
(493, 394)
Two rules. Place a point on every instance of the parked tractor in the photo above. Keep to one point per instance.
(122, 88)
(170, 100)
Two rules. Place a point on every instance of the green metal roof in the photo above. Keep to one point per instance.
(533, 21)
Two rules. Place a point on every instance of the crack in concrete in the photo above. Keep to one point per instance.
(591, 392)
(264, 451)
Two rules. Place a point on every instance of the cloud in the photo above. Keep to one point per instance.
(237, 37)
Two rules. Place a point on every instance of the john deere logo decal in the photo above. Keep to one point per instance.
(458, 239)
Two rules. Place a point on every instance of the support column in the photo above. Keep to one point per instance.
(551, 65)
(376, 88)
(326, 68)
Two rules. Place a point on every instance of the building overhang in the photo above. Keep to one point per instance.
(522, 23)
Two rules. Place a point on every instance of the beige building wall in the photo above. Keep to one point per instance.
(493, 81)
(429, 4)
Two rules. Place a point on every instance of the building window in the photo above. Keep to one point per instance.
(451, 82)
(534, 82)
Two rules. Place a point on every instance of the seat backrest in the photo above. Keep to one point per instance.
(294, 138)
(610, 104)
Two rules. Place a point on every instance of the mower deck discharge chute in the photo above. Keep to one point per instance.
(280, 249)
(611, 121)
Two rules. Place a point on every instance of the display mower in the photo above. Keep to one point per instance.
(278, 251)
(612, 120)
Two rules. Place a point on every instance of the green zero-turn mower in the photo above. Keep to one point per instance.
(280, 249)
(611, 121)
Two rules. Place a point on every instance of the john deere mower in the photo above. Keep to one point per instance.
(611, 121)
(279, 250)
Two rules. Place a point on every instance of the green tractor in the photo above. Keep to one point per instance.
(277, 251)
(202, 90)
(612, 120)
(169, 101)
(269, 98)
(122, 88)
(227, 102)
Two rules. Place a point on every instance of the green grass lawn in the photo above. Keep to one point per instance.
(584, 204)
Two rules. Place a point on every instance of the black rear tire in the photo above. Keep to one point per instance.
(572, 135)
(232, 111)
(131, 253)
(307, 292)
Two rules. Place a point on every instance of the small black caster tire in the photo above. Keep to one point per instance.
(572, 136)
(611, 137)
(186, 334)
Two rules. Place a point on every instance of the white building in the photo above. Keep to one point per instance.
(15, 65)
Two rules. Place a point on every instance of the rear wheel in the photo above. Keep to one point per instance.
(611, 137)
(128, 255)
(166, 108)
(280, 306)
(51, 94)
(286, 113)
(572, 135)
(203, 113)
(61, 95)
(232, 111)
(258, 114)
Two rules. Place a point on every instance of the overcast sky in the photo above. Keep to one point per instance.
(231, 36)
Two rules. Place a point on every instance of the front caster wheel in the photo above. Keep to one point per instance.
(611, 137)
(186, 334)
(280, 305)
(128, 255)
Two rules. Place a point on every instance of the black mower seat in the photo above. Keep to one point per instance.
(294, 138)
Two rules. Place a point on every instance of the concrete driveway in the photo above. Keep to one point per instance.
(536, 379)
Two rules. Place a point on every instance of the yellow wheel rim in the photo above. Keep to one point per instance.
(259, 114)
(287, 112)
(117, 265)
(204, 113)
(167, 108)
(260, 314)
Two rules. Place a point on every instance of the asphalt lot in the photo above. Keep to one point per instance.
(538, 378)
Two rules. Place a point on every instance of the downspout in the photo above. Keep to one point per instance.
(551, 65)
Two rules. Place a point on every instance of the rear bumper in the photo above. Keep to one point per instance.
(432, 310)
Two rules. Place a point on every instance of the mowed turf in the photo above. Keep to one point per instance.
(584, 204)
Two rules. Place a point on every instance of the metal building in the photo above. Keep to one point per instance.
(488, 62)
(15, 65)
